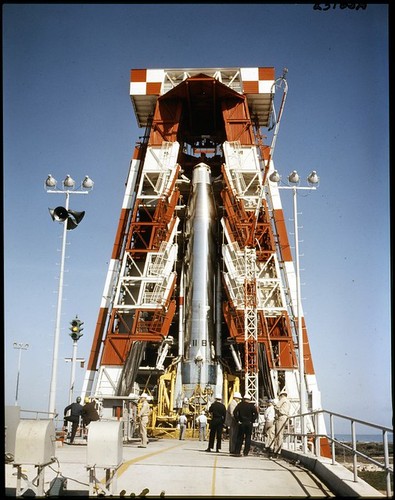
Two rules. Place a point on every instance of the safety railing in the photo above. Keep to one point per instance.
(37, 414)
(298, 442)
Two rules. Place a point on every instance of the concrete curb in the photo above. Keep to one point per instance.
(336, 477)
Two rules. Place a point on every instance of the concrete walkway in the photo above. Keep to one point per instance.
(170, 468)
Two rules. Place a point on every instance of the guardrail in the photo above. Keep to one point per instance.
(299, 441)
(37, 414)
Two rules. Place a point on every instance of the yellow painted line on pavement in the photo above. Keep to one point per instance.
(127, 464)
(214, 477)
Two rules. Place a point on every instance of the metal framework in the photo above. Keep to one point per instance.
(250, 325)
(200, 291)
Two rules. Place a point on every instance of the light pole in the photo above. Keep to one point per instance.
(20, 347)
(74, 360)
(70, 220)
(313, 181)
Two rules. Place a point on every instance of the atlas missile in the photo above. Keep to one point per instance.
(201, 258)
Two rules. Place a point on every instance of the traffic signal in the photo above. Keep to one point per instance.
(73, 218)
(76, 328)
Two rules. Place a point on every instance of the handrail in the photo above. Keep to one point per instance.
(355, 453)
(37, 412)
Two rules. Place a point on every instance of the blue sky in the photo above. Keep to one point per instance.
(66, 110)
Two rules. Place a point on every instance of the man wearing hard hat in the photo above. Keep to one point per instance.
(143, 415)
(246, 414)
(202, 423)
(89, 411)
(269, 429)
(231, 422)
(218, 414)
(282, 413)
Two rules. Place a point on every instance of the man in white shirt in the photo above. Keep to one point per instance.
(182, 422)
(269, 430)
(202, 423)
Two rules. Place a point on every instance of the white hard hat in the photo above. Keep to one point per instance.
(218, 396)
(247, 396)
(237, 395)
(144, 395)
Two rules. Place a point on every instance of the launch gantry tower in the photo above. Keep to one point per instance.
(200, 295)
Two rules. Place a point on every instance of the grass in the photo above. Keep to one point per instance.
(377, 479)
(373, 450)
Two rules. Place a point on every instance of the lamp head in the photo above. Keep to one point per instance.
(87, 183)
(50, 182)
(293, 177)
(313, 178)
(69, 182)
(274, 177)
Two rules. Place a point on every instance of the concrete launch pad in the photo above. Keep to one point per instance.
(170, 468)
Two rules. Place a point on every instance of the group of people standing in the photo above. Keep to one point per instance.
(78, 414)
(239, 417)
(276, 416)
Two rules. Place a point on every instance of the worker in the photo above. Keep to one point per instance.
(89, 412)
(143, 416)
(282, 413)
(182, 422)
(269, 429)
(259, 426)
(202, 424)
(218, 414)
(231, 422)
(75, 410)
(245, 413)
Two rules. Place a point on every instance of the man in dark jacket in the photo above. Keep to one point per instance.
(89, 412)
(245, 413)
(218, 414)
(74, 417)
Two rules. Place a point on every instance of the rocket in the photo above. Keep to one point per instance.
(201, 257)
